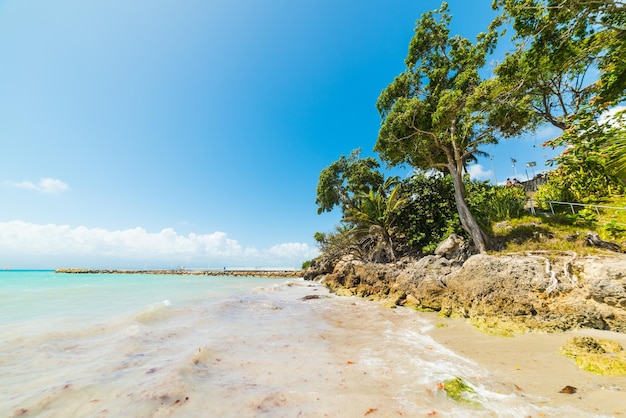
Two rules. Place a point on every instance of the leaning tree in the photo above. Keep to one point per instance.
(440, 110)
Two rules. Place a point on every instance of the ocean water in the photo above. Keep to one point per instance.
(198, 346)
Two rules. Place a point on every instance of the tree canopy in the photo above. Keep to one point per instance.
(341, 182)
(569, 62)
(559, 43)
(440, 111)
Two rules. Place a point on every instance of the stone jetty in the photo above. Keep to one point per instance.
(229, 273)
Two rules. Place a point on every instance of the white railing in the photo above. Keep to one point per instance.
(571, 205)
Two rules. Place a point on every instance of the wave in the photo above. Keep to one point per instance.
(156, 312)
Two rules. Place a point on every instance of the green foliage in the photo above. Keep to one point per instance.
(429, 214)
(558, 44)
(616, 141)
(553, 190)
(584, 172)
(495, 203)
(336, 244)
(571, 183)
(614, 230)
(306, 264)
(320, 237)
(584, 217)
(375, 216)
(427, 120)
(343, 179)
(439, 111)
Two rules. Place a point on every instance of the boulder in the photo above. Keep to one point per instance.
(453, 248)
(320, 266)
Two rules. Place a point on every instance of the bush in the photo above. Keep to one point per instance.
(584, 217)
(495, 203)
(551, 191)
(567, 184)
(336, 244)
(614, 229)
(429, 215)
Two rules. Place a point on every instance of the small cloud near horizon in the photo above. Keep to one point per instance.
(44, 185)
(39, 246)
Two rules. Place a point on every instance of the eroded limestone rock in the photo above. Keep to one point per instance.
(540, 291)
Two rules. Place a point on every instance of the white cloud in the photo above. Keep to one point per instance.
(478, 172)
(610, 115)
(31, 245)
(291, 250)
(546, 133)
(45, 185)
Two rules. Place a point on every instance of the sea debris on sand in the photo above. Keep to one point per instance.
(458, 390)
(569, 390)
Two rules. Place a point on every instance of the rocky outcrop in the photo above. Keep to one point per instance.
(522, 292)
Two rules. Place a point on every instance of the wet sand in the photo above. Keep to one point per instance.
(530, 365)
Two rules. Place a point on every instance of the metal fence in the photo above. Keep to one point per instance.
(532, 203)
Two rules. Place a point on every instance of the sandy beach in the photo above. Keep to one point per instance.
(531, 365)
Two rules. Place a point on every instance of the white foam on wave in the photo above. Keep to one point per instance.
(155, 312)
(417, 358)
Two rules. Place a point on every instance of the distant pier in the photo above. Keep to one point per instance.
(277, 274)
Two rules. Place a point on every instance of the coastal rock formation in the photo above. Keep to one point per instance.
(514, 293)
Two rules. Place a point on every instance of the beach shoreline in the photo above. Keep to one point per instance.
(530, 365)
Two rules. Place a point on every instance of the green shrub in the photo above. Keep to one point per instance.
(551, 191)
(495, 203)
(614, 229)
(576, 185)
(584, 217)
(429, 214)
(336, 244)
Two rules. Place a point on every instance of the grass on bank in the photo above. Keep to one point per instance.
(564, 230)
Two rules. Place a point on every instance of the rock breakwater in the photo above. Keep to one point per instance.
(277, 274)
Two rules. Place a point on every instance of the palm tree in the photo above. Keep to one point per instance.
(376, 214)
(617, 144)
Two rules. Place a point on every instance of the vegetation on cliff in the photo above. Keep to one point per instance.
(440, 111)
(421, 241)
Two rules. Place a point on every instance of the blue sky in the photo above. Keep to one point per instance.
(165, 133)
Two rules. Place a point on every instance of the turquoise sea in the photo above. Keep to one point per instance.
(106, 345)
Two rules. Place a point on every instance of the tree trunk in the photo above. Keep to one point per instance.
(468, 222)
(387, 239)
